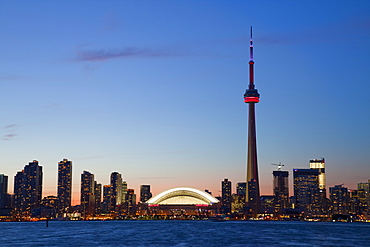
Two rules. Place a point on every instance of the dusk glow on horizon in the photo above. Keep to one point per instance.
(153, 90)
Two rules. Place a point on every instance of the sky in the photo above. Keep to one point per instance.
(154, 90)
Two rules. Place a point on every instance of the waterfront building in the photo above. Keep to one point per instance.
(87, 194)
(106, 199)
(241, 189)
(280, 191)
(365, 195)
(97, 193)
(131, 202)
(64, 186)
(355, 204)
(226, 197)
(237, 205)
(19, 183)
(124, 191)
(267, 204)
(49, 207)
(116, 191)
(3, 191)
(319, 164)
(28, 189)
(339, 198)
(145, 193)
(306, 191)
(33, 185)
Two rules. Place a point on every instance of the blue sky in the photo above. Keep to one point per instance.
(154, 89)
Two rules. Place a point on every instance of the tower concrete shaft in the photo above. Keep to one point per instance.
(251, 97)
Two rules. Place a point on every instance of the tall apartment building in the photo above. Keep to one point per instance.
(306, 191)
(87, 194)
(145, 193)
(64, 186)
(3, 191)
(226, 197)
(280, 191)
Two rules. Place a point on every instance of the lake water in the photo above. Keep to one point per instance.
(184, 233)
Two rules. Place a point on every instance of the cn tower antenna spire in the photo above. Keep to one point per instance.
(251, 47)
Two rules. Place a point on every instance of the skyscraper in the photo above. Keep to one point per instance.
(241, 189)
(131, 202)
(87, 194)
(281, 191)
(33, 186)
(306, 190)
(19, 184)
(64, 185)
(3, 191)
(252, 97)
(320, 165)
(145, 193)
(116, 190)
(124, 191)
(106, 207)
(226, 197)
(97, 193)
(339, 198)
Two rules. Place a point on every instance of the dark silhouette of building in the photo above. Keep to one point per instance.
(19, 184)
(241, 188)
(97, 193)
(145, 193)
(116, 191)
(364, 198)
(131, 202)
(107, 195)
(319, 164)
(87, 194)
(267, 204)
(3, 191)
(251, 97)
(49, 207)
(306, 191)
(124, 191)
(281, 191)
(226, 198)
(64, 186)
(28, 188)
(339, 198)
(33, 188)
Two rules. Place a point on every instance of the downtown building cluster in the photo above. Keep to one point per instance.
(96, 201)
(310, 201)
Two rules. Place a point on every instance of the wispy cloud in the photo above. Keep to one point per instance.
(8, 137)
(106, 54)
(10, 126)
(10, 131)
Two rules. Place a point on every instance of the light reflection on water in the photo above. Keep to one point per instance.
(184, 233)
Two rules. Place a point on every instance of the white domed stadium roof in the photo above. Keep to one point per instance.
(182, 196)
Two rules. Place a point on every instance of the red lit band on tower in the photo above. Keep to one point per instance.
(251, 97)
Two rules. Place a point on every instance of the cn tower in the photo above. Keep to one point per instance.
(252, 97)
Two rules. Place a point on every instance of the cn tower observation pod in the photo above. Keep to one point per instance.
(182, 196)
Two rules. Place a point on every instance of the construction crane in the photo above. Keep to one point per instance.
(278, 165)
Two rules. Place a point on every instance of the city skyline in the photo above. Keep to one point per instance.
(127, 87)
